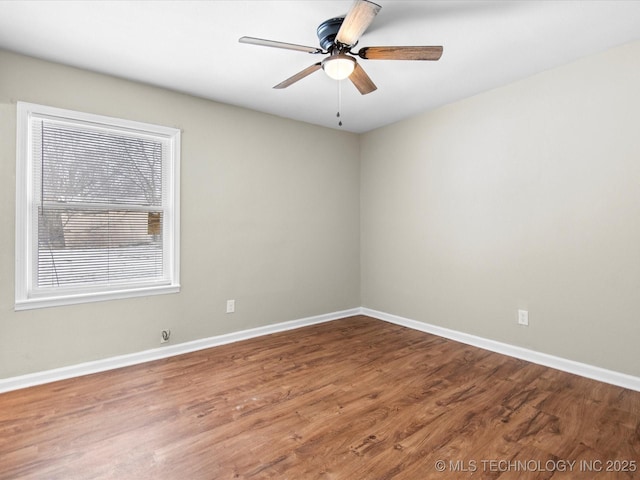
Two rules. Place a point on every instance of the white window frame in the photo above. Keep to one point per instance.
(26, 295)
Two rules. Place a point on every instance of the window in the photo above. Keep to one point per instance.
(97, 210)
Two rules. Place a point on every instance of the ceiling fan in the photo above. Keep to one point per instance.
(337, 37)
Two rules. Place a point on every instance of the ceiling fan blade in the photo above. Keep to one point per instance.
(362, 81)
(400, 53)
(357, 21)
(272, 43)
(299, 75)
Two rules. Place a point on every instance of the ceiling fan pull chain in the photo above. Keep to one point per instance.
(339, 82)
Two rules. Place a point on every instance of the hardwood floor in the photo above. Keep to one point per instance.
(354, 399)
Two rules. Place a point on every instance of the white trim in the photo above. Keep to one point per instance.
(39, 378)
(596, 373)
(570, 366)
(45, 302)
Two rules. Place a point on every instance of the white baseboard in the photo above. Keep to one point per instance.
(39, 378)
(570, 366)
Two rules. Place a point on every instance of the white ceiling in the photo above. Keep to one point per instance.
(192, 47)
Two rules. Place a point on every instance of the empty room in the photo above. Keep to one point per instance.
(335, 240)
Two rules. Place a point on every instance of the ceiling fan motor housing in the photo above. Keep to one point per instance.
(327, 32)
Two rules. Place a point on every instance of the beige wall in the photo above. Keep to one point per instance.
(268, 219)
(527, 196)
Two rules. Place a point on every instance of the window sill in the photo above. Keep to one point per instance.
(44, 302)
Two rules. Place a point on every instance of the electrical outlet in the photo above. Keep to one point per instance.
(523, 317)
(165, 335)
(231, 306)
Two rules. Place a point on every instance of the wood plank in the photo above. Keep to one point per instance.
(356, 398)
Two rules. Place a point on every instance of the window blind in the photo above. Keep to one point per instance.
(99, 206)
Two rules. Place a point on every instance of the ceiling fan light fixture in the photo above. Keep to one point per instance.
(339, 66)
